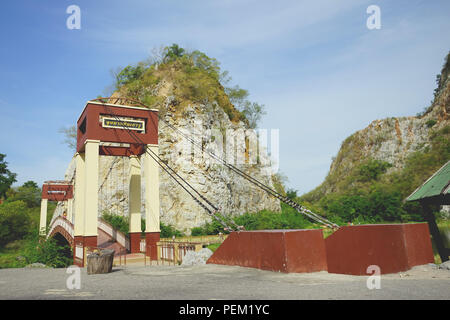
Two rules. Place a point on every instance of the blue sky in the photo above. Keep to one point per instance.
(320, 72)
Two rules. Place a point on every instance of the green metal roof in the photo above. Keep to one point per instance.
(437, 185)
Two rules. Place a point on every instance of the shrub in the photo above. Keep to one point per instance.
(14, 221)
(29, 192)
(129, 74)
(169, 231)
(47, 251)
(118, 222)
(289, 218)
(377, 205)
(430, 123)
(197, 231)
(195, 78)
(7, 178)
(372, 169)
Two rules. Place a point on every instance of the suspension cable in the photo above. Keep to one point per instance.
(295, 205)
(269, 190)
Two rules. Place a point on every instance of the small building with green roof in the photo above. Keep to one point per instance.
(434, 191)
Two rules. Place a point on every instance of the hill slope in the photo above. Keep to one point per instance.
(388, 159)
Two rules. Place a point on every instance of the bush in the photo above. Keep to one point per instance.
(212, 228)
(379, 204)
(121, 223)
(289, 218)
(213, 247)
(129, 74)
(49, 251)
(14, 221)
(7, 178)
(372, 170)
(169, 231)
(29, 192)
(197, 231)
(118, 222)
(430, 123)
(195, 78)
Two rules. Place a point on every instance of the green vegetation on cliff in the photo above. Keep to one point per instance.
(368, 193)
(190, 77)
(123, 225)
(360, 188)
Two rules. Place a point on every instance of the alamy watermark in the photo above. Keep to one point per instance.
(374, 20)
(74, 20)
(374, 281)
(74, 280)
(205, 146)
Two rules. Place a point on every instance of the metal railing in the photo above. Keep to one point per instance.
(205, 240)
(174, 252)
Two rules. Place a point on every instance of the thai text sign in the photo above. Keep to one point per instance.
(123, 124)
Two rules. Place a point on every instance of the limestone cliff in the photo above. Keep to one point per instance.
(392, 140)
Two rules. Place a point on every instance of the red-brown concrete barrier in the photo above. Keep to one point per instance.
(393, 247)
(274, 250)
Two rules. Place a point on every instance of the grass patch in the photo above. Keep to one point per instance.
(12, 255)
(213, 247)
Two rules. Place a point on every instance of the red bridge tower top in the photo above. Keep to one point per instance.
(111, 123)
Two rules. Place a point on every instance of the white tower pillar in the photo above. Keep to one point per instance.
(43, 221)
(70, 210)
(151, 177)
(134, 203)
(78, 219)
(91, 189)
(134, 180)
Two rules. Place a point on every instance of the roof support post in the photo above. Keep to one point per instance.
(428, 212)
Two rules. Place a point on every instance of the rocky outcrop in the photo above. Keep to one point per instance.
(391, 140)
(192, 258)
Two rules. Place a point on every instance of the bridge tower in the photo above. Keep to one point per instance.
(116, 127)
(55, 191)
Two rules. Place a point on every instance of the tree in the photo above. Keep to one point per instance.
(51, 252)
(29, 193)
(291, 194)
(237, 96)
(70, 136)
(173, 52)
(253, 113)
(14, 221)
(7, 178)
(373, 169)
(129, 74)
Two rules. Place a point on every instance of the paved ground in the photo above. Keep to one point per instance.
(219, 282)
